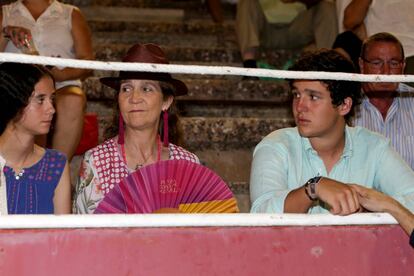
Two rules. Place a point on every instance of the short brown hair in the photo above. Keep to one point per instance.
(380, 37)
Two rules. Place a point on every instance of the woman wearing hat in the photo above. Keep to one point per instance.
(143, 99)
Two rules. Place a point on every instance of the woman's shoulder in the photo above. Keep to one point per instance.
(107, 146)
(7, 9)
(179, 153)
(12, 5)
(64, 10)
(65, 6)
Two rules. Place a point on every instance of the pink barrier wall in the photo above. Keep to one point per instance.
(310, 250)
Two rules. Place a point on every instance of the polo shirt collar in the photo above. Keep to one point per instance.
(348, 149)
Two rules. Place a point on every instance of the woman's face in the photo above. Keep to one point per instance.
(38, 114)
(141, 103)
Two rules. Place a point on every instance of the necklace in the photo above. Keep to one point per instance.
(22, 171)
(139, 166)
(20, 174)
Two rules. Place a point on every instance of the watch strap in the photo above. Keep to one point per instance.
(310, 187)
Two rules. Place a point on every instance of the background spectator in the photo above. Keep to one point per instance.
(51, 28)
(316, 23)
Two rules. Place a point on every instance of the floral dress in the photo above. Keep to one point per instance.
(103, 168)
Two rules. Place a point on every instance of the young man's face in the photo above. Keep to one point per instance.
(314, 113)
(383, 58)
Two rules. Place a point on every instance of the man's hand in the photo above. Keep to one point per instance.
(342, 198)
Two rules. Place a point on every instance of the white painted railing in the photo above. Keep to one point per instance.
(188, 220)
(198, 69)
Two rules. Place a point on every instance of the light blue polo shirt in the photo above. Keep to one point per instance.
(284, 161)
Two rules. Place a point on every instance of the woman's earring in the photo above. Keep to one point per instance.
(165, 128)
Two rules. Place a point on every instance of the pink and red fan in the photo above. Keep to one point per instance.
(170, 186)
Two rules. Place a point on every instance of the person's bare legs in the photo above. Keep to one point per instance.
(70, 109)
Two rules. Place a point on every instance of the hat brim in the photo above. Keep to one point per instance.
(115, 82)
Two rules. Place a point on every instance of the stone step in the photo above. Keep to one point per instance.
(198, 40)
(211, 132)
(189, 4)
(132, 14)
(234, 168)
(115, 52)
(223, 133)
(277, 58)
(210, 91)
(194, 26)
(191, 7)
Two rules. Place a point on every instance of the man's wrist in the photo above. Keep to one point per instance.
(310, 187)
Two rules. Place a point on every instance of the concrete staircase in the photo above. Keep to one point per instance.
(222, 118)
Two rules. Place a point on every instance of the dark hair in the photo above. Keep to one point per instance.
(331, 61)
(17, 83)
(173, 134)
(350, 43)
(381, 37)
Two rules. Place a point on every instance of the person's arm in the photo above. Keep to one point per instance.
(375, 201)
(86, 197)
(342, 199)
(61, 199)
(394, 177)
(269, 178)
(3, 39)
(83, 49)
(297, 201)
(354, 14)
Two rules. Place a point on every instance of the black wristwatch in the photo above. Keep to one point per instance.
(310, 187)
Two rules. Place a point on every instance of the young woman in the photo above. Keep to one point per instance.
(37, 179)
(51, 28)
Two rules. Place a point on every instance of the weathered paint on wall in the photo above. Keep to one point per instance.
(306, 250)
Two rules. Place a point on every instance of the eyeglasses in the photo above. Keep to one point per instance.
(379, 63)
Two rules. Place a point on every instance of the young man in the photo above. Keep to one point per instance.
(309, 168)
(387, 108)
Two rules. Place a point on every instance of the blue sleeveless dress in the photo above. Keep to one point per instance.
(32, 192)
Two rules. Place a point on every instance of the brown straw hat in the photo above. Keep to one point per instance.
(146, 53)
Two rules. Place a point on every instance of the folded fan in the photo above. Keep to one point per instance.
(180, 185)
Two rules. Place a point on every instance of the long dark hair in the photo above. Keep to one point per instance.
(173, 133)
(17, 83)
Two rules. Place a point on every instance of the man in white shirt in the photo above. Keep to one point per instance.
(368, 17)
